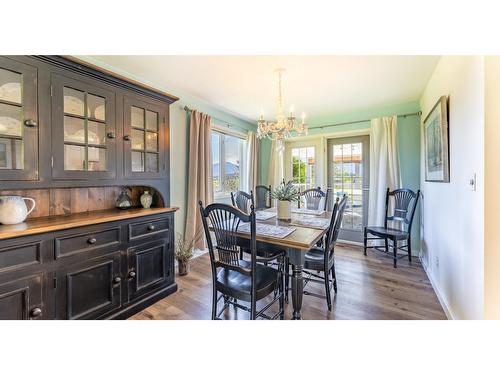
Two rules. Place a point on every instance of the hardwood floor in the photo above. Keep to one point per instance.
(368, 288)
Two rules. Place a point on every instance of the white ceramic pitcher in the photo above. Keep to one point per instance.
(13, 209)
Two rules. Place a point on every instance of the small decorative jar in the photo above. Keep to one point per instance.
(146, 199)
(123, 202)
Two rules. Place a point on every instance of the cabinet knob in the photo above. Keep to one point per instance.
(127, 137)
(30, 123)
(111, 135)
(131, 274)
(151, 227)
(36, 312)
(91, 241)
(117, 280)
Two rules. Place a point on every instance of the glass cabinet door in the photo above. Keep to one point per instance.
(18, 121)
(144, 139)
(83, 130)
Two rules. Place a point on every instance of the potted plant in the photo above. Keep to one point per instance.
(285, 194)
(183, 253)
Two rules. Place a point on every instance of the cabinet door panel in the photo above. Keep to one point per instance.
(144, 138)
(83, 130)
(149, 267)
(18, 121)
(87, 290)
(21, 299)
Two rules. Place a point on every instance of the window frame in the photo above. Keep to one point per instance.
(305, 185)
(223, 132)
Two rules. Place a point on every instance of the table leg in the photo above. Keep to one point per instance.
(297, 290)
(297, 259)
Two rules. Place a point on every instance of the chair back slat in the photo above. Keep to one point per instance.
(335, 224)
(263, 197)
(313, 197)
(242, 200)
(402, 203)
(224, 220)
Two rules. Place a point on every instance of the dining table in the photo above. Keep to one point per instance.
(307, 228)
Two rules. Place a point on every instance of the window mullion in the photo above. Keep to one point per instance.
(222, 162)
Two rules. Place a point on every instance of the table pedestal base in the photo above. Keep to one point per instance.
(296, 258)
(297, 291)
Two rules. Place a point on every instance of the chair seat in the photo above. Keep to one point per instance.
(239, 286)
(394, 234)
(314, 259)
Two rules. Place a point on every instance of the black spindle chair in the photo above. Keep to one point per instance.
(263, 195)
(313, 198)
(237, 279)
(404, 206)
(321, 259)
(242, 200)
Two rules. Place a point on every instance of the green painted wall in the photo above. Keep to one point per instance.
(408, 141)
(264, 161)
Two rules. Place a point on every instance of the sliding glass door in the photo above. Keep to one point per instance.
(348, 173)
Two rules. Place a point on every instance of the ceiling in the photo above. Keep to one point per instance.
(317, 85)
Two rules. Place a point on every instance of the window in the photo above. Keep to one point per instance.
(227, 156)
(303, 167)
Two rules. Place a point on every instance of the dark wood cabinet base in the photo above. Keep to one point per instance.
(105, 270)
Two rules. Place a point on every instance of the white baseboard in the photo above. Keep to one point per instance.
(445, 307)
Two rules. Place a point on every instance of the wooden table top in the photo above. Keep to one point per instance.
(302, 237)
(53, 223)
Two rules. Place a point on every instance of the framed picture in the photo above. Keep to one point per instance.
(437, 156)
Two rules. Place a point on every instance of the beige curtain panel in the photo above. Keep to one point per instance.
(384, 166)
(252, 162)
(200, 180)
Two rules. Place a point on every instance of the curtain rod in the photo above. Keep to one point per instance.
(228, 124)
(419, 113)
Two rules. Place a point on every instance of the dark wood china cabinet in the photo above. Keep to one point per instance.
(72, 135)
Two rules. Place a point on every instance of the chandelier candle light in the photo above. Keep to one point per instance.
(284, 126)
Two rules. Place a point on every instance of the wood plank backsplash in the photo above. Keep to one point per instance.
(52, 202)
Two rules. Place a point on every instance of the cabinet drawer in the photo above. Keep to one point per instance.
(77, 243)
(148, 228)
(19, 256)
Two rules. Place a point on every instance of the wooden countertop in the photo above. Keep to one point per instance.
(54, 223)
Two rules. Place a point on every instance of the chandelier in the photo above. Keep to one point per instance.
(284, 126)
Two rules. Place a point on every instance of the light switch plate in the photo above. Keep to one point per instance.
(472, 182)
